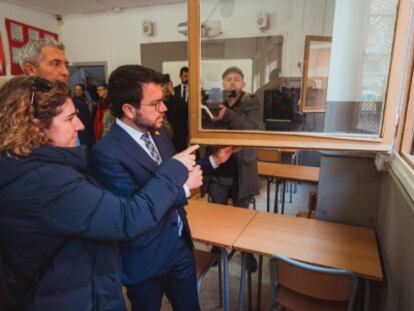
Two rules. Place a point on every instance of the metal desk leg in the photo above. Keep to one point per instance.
(269, 181)
(367, 294)
(226, 279)
(220, 283)
(272, 270)
(259, 283)
(283, 196)
(249, 291)
(242, 276)
(275, 209)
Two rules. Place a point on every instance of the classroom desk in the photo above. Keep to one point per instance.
(218, 225)
(312, 241)
(283, 172)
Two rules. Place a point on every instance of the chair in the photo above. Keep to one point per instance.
(305, 287)
(204, 261)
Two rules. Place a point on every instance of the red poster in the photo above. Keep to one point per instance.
(2, 59)
(19, 34)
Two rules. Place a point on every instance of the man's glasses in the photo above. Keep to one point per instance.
(156, 104)
(39, 85)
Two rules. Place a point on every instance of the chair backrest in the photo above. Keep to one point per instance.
(268, 155)
(314, 281)
(204, 261)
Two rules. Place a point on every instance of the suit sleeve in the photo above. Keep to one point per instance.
(117, 177)
(205, 165)
(74, 206)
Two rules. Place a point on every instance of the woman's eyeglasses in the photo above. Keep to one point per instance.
(39, 85)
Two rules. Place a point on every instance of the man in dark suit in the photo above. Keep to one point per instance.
(182, 89)
(178, 117)
(82, 105)
(160, 261)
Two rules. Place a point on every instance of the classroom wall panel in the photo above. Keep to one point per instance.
(348, 189)
(395, 233)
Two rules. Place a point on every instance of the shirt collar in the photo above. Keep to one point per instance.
(133, 132)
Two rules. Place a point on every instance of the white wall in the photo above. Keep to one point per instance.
(116, 37)
(27, 16)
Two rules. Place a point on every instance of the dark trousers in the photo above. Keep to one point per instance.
(221, 193)
(179, 284)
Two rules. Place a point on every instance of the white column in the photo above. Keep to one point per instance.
(348, 50)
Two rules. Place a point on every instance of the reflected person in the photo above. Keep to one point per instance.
(237, 178)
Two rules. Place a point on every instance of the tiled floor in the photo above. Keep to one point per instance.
(209, 296)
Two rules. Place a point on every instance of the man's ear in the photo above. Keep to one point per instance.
(30, 70)
(244, 84)
(127, 111)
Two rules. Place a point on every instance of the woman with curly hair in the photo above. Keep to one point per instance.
(53, 215)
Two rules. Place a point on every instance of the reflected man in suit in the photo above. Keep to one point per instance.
(161, 260)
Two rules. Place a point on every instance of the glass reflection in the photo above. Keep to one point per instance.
(266, 41)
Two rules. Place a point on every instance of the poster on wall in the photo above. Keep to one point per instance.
(19, 34)
(2, 59)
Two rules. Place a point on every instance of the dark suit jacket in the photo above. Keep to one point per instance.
(87, 136)
(177, 115)
(177, 90)
(123, 167)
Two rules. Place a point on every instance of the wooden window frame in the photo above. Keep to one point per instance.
(405, 134)
(383, 143)
(304, 91)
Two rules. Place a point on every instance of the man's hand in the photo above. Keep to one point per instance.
(195, 178)
(223, 154)
(187, 157)
(222, 111)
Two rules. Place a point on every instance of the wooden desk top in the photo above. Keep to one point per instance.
(289, 171)
(217, 224)
(313, 241)
(297, 172)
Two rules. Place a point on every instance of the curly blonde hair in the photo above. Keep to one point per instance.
(23, 124)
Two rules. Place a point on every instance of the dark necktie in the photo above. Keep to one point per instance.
(185, 92)
(151, 148)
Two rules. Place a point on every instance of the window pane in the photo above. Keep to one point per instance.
(265, 39)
